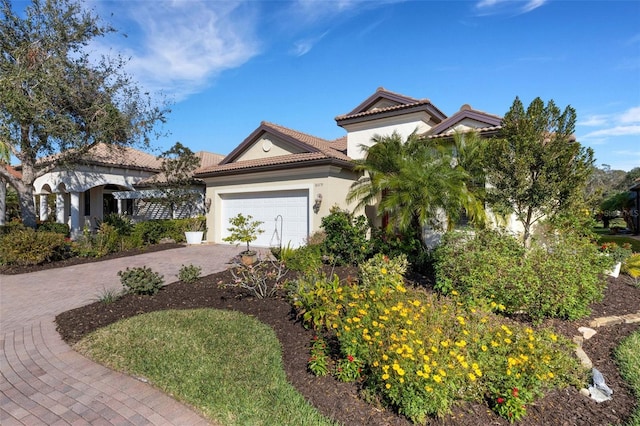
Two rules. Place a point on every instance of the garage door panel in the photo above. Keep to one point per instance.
(265, 207)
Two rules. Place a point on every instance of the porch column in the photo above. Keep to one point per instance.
(75, 215)
(60, 207)
(44, 208)
(120, 206)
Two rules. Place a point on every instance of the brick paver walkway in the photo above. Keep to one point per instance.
(44, 382)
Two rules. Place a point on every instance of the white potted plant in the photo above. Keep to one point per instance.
(194, 232)
(244, 230)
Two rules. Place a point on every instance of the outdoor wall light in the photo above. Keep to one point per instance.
(317, 203)
(207, 204)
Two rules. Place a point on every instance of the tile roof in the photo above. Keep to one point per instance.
(318, 150)
(492, 121)
(403, 102)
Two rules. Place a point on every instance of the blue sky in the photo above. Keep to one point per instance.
(229, 65)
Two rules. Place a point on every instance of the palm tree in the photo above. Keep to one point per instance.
(416, 183)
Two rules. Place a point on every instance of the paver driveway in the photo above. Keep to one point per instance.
(44, 382)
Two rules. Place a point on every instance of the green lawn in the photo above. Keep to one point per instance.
(628, 358)
(225, 363)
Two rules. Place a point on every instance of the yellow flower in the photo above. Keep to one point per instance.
(507, 340)
(428, 388)
(550, 375)
(461, 343)
(383, 271)
(553, 337)
(388, 386)
(472, 377)
(484, 348)
(444, 343)
(385, 376)
(437, 379)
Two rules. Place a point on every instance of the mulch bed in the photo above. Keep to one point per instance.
(342, 401)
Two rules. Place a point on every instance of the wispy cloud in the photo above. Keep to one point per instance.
(626, 123)
(303, 46)
(178, 46)
(517, 7)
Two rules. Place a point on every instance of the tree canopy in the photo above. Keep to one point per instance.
(536, 168)
(56, 100)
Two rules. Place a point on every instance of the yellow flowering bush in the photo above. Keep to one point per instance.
(421, 353)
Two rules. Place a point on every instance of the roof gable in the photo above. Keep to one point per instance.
(294, 149)
(468, 118)
(287, 141)
(384, 103)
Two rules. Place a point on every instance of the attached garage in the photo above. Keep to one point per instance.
(269, 206)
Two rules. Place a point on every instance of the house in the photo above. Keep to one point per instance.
(107, 180)
(289, 180)
(285, 178)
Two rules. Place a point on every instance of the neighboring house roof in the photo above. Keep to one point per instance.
(12, 171)
(207, 159)
(483, 122)
(111, 155)
(384, 103)
(314, 151)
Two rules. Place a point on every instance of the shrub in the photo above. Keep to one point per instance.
(24, 247)
(395, 244)
(122, 224)
(631, 266)
(422, 353)
(141, 280)
(189, 273)
(59, 228)
(262, 279)
(305, 259)
(346, 237)
(108, 295)
(152, 231)
(558, 278)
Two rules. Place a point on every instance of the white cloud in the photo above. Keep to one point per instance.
(489, 7)
(302, 47)
(179, 46)
(614, 131)
(632, 115)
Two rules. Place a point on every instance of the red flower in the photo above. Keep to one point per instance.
(350, 358)
(515, 392)
(500, 400)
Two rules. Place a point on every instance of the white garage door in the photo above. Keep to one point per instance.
(293, 206)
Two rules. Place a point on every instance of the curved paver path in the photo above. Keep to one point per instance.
(44, 382)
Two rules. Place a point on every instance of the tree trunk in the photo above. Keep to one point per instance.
(27, 205)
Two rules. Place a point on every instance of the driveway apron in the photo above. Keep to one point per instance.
(44, 382)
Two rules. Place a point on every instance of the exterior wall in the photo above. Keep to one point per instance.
(331, 183)
(362, 133)
(268, 146)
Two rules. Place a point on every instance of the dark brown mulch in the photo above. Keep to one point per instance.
(72, 261)
(342, 401)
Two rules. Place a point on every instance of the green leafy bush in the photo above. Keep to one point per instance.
(396, 244)
(189, 273)
(24, 247)
(122, 224)
(152, 231)
(305, 259)
(559, 276)
(141, 280)
(346, 237)
(60, 228)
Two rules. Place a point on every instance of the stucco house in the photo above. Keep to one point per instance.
(107, 180)
(289, 180)
(285, 178)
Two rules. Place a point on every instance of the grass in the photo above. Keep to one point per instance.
(628, 357)
(605, 237)
(226, 364)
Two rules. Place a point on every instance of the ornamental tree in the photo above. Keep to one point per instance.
(537, 169)
(57, 102)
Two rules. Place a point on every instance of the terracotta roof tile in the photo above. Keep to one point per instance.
(280, 160)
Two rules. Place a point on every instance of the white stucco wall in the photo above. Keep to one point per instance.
(268, 146)
(362, 133)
